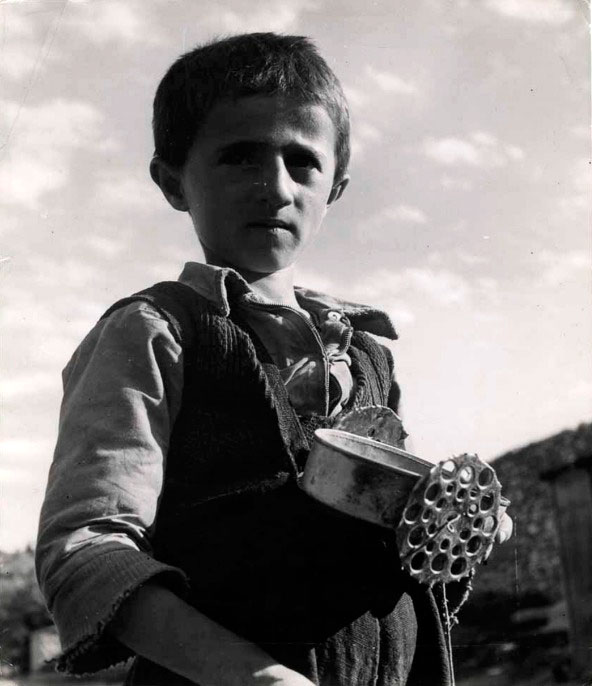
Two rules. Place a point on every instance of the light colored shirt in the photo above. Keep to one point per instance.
(309, 346)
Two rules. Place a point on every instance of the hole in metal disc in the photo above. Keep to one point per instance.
(458, 567)
(473, 509)
(466, 475)
(473, 545)
(432, 529)
(478, 523)
(432, 493)
(426, 515)
(448, 469)
(489, 524)
(486, 502)
(486, 477)
(444, 544)
(461, 495)
(430, 546)
(371, 432)
(464, 535)
(439, 562)
(416, 536)
(412, 512)
(440, 504)
(457, 550)
(418, 561)
(474, 493)
(449, 488)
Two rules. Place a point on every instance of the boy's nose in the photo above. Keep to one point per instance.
(275, 187)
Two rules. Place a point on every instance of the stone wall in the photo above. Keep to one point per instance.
(516, 616)
(529, 564)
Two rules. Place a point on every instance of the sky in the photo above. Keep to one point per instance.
(467, 217)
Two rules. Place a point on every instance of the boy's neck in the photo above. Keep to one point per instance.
(277, 286)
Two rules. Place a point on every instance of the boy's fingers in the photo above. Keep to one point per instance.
(505, 529)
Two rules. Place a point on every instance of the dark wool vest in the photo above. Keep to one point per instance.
(322, 593)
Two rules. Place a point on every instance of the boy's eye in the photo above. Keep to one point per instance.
(253, 155)
(302, 160)
(240, 157)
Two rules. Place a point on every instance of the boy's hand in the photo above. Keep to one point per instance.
(506, 528)
(504, 533)
(278, 675)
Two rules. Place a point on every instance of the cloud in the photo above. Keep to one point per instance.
(561, 268)
(112, 21)
(356, 98)
(363, 100)
(400, 314)
(389, 82)
(405, 213)
(14, 475)
(471, 259)
(280, 16)
(28, 384)
(479, 149)
(456, 184)
(368, 132)
(413, 286)
(442, 286)
(17, 58)
(21, 51)
(487, 289)
(107, 247)
(580, 132)
(24, 447)
(582, 390)
(363, 135)
(122, 190)
(579, 200)
(43, 139)
(400, 214)
(552, 12)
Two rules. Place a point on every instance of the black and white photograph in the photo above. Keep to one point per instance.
(296, 362)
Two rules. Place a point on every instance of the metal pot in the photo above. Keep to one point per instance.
(361, 477)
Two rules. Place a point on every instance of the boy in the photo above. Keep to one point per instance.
(173, 527)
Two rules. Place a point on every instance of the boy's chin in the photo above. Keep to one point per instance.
(269, 264)
(252, 264)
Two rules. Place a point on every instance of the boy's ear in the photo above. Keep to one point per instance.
(168, 179)
(337, 190)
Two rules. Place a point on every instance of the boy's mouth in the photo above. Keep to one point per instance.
(269, 223)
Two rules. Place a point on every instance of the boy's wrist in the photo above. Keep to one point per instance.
(279, 675)
(157, 624)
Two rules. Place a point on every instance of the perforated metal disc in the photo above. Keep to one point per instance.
(450, 520)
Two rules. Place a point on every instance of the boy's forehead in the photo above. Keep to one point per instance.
(268, 118)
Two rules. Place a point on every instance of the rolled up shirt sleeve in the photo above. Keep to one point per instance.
(122, 391)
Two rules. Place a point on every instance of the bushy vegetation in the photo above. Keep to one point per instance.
(22, 609)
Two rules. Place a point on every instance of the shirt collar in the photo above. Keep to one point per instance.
(221, 285)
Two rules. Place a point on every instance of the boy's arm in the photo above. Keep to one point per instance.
(122, 390)
(157, 624)
(121, 393)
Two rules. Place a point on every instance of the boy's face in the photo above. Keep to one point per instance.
(258, 181)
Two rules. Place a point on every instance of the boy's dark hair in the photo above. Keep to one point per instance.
(239, 66)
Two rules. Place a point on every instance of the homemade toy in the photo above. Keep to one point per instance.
(445, 516)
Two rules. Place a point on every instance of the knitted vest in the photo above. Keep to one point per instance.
(321, 592)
